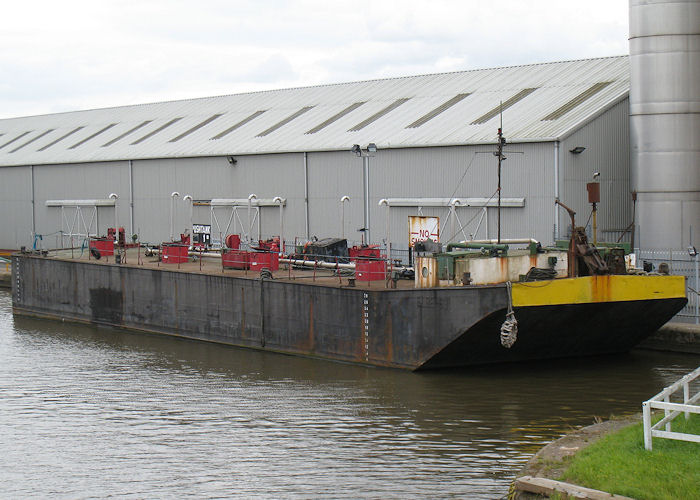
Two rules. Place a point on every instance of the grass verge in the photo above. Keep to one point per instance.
(618, 463)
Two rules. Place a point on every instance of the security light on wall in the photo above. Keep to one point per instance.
(231, 160)
(365, 154)
(577, 150)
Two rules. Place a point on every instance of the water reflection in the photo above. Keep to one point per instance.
(95, 412)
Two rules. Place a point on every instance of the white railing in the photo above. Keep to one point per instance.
(662, 401)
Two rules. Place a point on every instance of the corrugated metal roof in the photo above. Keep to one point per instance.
(541, 102)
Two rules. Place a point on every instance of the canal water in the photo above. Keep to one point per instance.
(95, 412)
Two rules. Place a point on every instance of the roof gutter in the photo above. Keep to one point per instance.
(306, 194)
(556, 191)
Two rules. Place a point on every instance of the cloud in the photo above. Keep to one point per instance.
(78, 54)
(273, 69)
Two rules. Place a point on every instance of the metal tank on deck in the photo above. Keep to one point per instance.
(665, 120)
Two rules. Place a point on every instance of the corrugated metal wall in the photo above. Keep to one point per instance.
(468, 171)
(333, 175)
(15, 207)
(206, 178)
(444, 172)
(414, 173)
(72, 182)
(606, 140)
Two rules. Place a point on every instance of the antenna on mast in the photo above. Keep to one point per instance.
(501, 115)
(499, 153)
(501, 157)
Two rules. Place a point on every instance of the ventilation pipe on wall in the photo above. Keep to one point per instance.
(115, 197)
(280, 200)
(342, 215)
(31, 173)
(556, 191)
(384, 201)
(251, 197)
(173, 195)
(131, 197)
(306, 194)
(453, 215)
(189, 198)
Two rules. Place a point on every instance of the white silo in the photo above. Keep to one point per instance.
(665, 120)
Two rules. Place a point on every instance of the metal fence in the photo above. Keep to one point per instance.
(662, 401)
(680, 263)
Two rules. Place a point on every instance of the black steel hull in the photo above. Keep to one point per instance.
(410, 329)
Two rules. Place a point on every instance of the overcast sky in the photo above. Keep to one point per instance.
(73, 54)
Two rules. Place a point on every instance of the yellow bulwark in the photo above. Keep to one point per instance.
(595, 289)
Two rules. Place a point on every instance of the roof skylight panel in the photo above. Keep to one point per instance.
(502, 107)
(291, 117)
(583, 96)
(238, 125)
(196, 127)
(336, 117)
(61, 138)
(105, 129)
(130, 131)
(440, 109)
(154, 132)
(376, 116)
(32, 140)
(15, 139)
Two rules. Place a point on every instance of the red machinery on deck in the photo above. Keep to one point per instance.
(233, 241)
(364, 252)
(176, 253)
(105, 246)
(233, 258)
(262, 260)
(370, 270)
(116, 237)
(368, 263)
(267, 256)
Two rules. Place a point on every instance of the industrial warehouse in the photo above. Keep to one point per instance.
(278, 183)
(317, 161)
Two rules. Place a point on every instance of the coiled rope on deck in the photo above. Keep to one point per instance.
(509, 328)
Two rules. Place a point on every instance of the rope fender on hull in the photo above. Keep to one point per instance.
(509, 328)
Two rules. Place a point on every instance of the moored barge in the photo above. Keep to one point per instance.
(395, 323)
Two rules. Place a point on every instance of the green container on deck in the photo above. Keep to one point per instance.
(446, 263)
